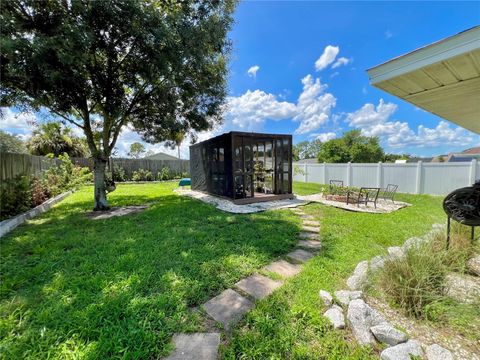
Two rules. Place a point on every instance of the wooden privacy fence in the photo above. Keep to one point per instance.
(12, 165)
(131, 165)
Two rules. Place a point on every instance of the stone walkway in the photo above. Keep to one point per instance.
(231, 305)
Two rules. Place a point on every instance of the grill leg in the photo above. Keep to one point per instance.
(448, 232)
(473, 233)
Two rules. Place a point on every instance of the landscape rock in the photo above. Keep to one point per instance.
(473, 265)
(436, 352)
(359, 278)
(387, 334)
(402, 351)
(395, 252)
(336, 317)
(438, 226)
(361, 317)
(463, 288)
(413, 243)
(345, 296)
(326, 297)
(377, 263)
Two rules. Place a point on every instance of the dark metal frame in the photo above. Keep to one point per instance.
(389, 192)
(225, 166)
(363, 196)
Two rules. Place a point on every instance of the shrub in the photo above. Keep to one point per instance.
(164, 174)
(142, 175)
(15, 196)
(119, 174)
(416, 281)
(40, 192)
(184, 174)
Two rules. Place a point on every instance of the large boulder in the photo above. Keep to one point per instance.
(413, 243)
(336, 317)
(345, 296)
(361, 317)
(436, 352)
(402, 351)
(359, 278)
(463, 288)
(395, 252)
(326, 297)
(387, 334)
(377, 263)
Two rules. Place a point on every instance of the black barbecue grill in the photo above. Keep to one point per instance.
(463, 206)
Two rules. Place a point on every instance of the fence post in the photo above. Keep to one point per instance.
(325, 179)
(473, 171)
(349, 174)
(305, 170)
(379, 174)
(418, 185)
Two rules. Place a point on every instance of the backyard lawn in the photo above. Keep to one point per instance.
(72, 287)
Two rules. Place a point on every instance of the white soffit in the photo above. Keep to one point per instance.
(442, 78)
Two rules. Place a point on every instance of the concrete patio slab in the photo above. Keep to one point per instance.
(196, 346)
(299, 256)
(228, 307)
(258, 286)
(313, 229)
(310, 244)
(283, 268)
(309, 236)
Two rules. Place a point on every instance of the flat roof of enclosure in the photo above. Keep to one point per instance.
(442, 78)
(252, 134)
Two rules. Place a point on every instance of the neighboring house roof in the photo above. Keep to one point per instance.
(442, 78)
(462, 157)
(307, 161)
(473, 150)
(417, 159)
(161, 156)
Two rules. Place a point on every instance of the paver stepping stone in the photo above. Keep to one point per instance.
(311, 223)
(197, 346)
(313, 229)
(307, 217)
(258, 286)
(228, 307)
(310, 244)
(283, 268)
(309, 236)
(299, 256)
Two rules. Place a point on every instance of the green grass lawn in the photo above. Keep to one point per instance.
(72, 287)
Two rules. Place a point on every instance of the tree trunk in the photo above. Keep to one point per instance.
(100, 192)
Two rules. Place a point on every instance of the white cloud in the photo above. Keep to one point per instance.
(376, 121)
(252, 72)
(17, 121)
(313, 106)
(341, 61)
(323, 137)
(328, 57)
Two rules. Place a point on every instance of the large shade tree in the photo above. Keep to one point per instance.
(102, 65)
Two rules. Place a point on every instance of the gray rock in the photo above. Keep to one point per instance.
(326, 297)
(395, 252)
(463, 288)
(402, 351)
(197, 346)
(345, 296)
(359, 278)
(336, 317)
(361, 317)
(377, 263)
(436, 352)
(473, 265)
(438, 226)
(413, 243)
(387, 334)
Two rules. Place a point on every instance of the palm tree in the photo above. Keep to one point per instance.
(177, 138)
(52, 138)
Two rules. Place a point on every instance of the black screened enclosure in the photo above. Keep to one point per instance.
(245, 167)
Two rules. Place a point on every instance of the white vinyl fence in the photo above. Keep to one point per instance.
(414, 178)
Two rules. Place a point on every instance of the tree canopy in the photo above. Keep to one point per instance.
(11, 143)
(307, 149)
(351, 147)
(158, 66)
(136, 150)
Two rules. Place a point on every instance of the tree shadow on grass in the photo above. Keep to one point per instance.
(120, 287)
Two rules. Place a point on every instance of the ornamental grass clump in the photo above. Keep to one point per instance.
(415, 282)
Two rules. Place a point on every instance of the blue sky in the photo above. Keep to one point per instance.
(300, 68)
